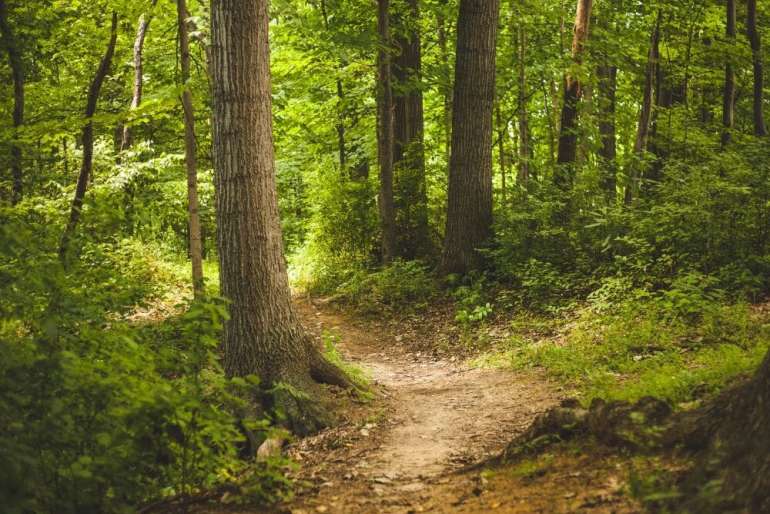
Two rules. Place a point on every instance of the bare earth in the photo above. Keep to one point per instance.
(409, 449)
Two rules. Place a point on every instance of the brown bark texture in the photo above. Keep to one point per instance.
(190, 150)
(17, 76)
(87, 137)
(469, 213)
(408, 143)
(573, 92)
(263, 335)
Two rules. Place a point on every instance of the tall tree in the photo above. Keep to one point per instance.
(651, 76)
(191, 163)
(408, 143)
(728, 93)
(385, 132)
(17, 75)
(760, 129)
(263, 335)
(469, 212)
(573, 92)
(87, 138)
(526, 150)
(607, 75)
(136, 99)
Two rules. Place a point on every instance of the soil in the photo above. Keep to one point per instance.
(420, 444)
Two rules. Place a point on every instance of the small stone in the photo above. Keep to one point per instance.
(322, 508)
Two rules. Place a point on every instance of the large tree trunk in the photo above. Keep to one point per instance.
(573, 92)
(385, 133)
(196, 245)
(760, 129)
(469, 214)
(409, 149)
(728, 100)
(88, 139)
(263, 335)
(136, 98)
(17, 75)
(645, 116)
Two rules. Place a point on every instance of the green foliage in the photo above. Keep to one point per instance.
(401, 286)
(471, 301)
(356, 374)
(98, 414)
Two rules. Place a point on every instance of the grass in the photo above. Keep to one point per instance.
(357, 375)
(639, 350)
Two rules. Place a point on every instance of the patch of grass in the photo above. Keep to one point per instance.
(639, 348)
(356, 374)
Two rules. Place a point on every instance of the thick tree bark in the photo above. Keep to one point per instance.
(191, 163)
(760, 129)
(526, 150)
(651, 75)
(469, 214)
(17, 75)
(385, 133)
(728, 99)
(88, 139)
(263, 335)
(408, 144)
(573, 92)
(136, 98)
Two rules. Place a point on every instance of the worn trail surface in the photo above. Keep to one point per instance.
(434, 418)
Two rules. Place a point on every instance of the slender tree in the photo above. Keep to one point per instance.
(607, 75)
(408, 143)
(385, 132)
(526, 150)
(651, 75)
(136, 99)
(87, 137)
(263, 335)
(573, 92)
(191, 163)
(17, 76)
(760, 129)
(469, 213)
(728, 93)
(446, 88)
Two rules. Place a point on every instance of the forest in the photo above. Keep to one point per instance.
(384, 256)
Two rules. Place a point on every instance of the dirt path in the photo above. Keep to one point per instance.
(432, 418)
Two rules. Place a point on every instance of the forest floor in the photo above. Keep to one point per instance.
(416, 445)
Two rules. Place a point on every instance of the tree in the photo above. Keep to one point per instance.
(645, 115)
(469, 212)
(87, 137)
(191, 163)
(573, 92)
(728, 92)
(525, 142)
(263, 336)
(385, 132)
(17, 75)
(141, 33)
(408, 143)
(760, 129)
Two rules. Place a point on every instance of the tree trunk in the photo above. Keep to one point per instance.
(196, 246)
(526, 151)
(573, 92)
(502, 133)
(263, 335)
(469, 213)
(340, 125)
(608, 86)
(385, 133)
(88, 139)
(409, 148)
(651, 75)
(136, 99)
(446, 87)
(17, 75)
(728, 100)
(760, 129)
